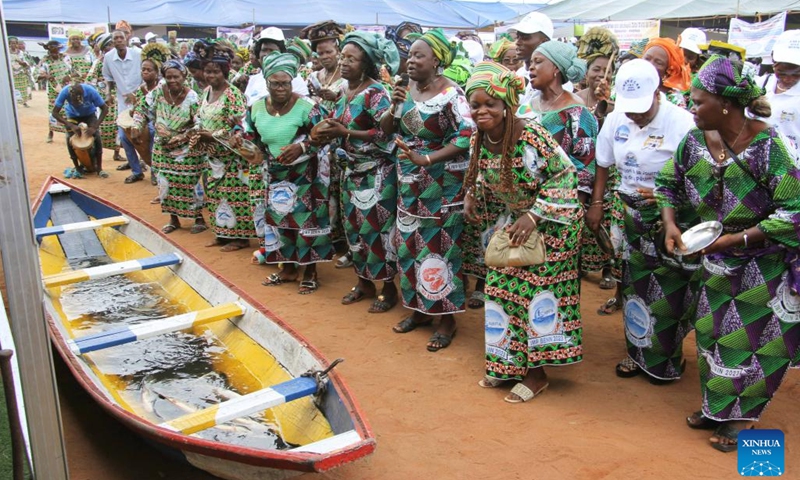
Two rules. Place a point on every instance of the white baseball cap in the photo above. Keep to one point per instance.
(474, 51)
(135, 40)
(636, 84)
(691, 39)
(149, 36)
(535, 22)
(272, 33)
(787, 48)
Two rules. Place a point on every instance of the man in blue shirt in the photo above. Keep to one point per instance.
(82, 101)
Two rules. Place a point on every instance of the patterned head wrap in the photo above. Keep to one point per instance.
(720, 76)
(598, 42)
(157, 53)
(173, 63)
(442, 48)
(203, 48)
(499, 49)
(300, 49)
(636, 49)
(243, 53)
(321, 31)
(409, 27)
(380, 50)
(565, 57)
(74, 32)
(192, 60)
(460, 70)
(103, 40)
(123, 25)
(498, 81)
(677, 75)
(403, 45)
(279, 62)
(222, 57)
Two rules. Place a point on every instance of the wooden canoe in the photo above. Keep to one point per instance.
(262, 358)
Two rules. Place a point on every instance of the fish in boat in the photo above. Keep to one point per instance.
(180, 355)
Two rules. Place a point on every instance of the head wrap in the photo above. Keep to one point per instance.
(442, 48)
(157, 53)
(74, 32)
(408, 27)
(498, 81)
(123, 25)
(92, 40)
(460, 69)
(677, 75)
(565, 57)
(321, 31)
(172, 34)
(12, 37)
(224, 43)
(499, 49)
(173, 63)
(222, 57)
(720, 76)
(279, 62)
(203, 48)
(380, 50)
(403, 45)
(103, 40)
(51, 43)
(598, 42)
(243, 53)
(465, 35)
(192, 60)
(636, 49)
(300, 49)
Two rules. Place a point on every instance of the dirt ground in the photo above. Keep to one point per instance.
(429, 415)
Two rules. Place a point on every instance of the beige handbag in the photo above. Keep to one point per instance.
(500, 253)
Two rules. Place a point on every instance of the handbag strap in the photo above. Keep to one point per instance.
(744, 168)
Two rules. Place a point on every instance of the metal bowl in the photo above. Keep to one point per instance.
(700, 236)
(604, 241)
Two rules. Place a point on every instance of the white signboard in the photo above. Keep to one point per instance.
(630, 31)
(238, 36)
(58, 31)
(756, 38)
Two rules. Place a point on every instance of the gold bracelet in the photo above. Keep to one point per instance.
(533, 219)
(428, 158)
(596, 202)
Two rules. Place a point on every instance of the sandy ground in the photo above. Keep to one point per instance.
(430, 417)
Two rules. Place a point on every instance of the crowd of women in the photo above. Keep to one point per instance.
(604, 157)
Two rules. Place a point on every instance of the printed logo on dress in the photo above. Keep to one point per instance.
(785, 305)
(434, 278)
(622, 133)
(630, 160)
(282, 197)
(761, 453)
(272, 239)
(653, 142)
(543, 317)
(638, 323)
(407, 224)
(496, 326)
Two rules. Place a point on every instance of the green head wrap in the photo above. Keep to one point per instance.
(565, 58)
(380, 50)
(721, 77)
(299, 48)
(442, 48)
(498, 81)
(499, 49)
(279, 62)
(598, 42)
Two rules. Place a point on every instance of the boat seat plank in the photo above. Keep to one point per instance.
(242, 406)
(80, 226)
(111, 270)
(331, 444)
(76, 245)
(132, 333)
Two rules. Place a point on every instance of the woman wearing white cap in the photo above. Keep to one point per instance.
(692, 41)
(638, 137)
(783, 88)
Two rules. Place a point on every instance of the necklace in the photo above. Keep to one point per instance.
(550, 104)
(723, 154)
(170, 99)
(275, 108)
(330, 79)
(352, 93)
(426, 87)
(489, 139)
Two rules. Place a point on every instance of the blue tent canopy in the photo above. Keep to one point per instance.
(444, 13)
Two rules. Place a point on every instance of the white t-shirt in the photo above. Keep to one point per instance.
(785, 109)
(257, 88)
(640, 153)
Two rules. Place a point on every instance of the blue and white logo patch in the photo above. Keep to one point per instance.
(622, 133)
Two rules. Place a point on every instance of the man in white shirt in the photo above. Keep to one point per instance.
(783, 88)
(123, 66)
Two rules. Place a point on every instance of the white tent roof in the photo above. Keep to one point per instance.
(575, 10)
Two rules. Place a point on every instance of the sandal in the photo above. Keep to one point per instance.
(610, 307)
(233, 246)
(102, 174)
(607, 283)
(155, 201)
(344, 261)
(124, 167)
(698, 421)
(198, 228)
(134, 178)
(382, 305)
(275, 279)
(355, 295)
(524, 393)
(169, 228)
(476, 300)
(217, 242)
(308, 287)
(729, 432)
(627, 368)
(408, 324)
(490, 382)
(442, 339)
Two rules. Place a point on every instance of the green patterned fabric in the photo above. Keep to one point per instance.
(108, 128)
(498, 81)
(57, 68)
(533, 314)
(721, 77)
(279, 62)
(747, 318)
(443, 49)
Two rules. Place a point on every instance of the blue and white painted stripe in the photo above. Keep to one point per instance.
(111, 270)
(242, 406)
(132, 333)
(80, 226)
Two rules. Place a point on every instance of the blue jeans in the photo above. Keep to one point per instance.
(130, 152)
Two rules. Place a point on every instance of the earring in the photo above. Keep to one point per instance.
(724, 111)
(504, 113)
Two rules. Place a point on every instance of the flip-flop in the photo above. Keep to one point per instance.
(343, 262)
(103, 174)
(610, 307)
(168, 228)
(198, 228)
(627, 368)
(524, 393)
(607, 283)
(232, 247)
(355, 295)
(308, 287)
(490, 382)
(273, 280)
(442, 339)
(155, 201)
(476, 300)
(408, 325)
(381, 305)
(124, 167)
(729, 432)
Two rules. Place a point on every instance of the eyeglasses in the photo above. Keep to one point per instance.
(279, 85)
(348, 60)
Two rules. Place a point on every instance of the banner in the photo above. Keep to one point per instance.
(238, 36)
(756, 38)
(630, 31)
(58, 31)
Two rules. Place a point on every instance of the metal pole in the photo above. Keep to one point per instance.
(24, 287)
(17, 440)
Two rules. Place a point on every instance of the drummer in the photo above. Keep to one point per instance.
(82, 101)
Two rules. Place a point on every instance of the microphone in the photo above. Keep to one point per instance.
(403, 82)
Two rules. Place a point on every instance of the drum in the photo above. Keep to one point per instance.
(142, 144)
(83, 145)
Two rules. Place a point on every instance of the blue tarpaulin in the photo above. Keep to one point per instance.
(444, 13)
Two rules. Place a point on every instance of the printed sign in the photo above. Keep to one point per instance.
(238, 36)
(756, 38)
(630, 31)
(761, 453)
(58, 31)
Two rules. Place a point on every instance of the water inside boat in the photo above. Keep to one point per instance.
(168, 376)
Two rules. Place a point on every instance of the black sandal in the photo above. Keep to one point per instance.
(442, 339)
(408, 324)
(382, 304)
(698, 421)
(729, 432)
(627, 368)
